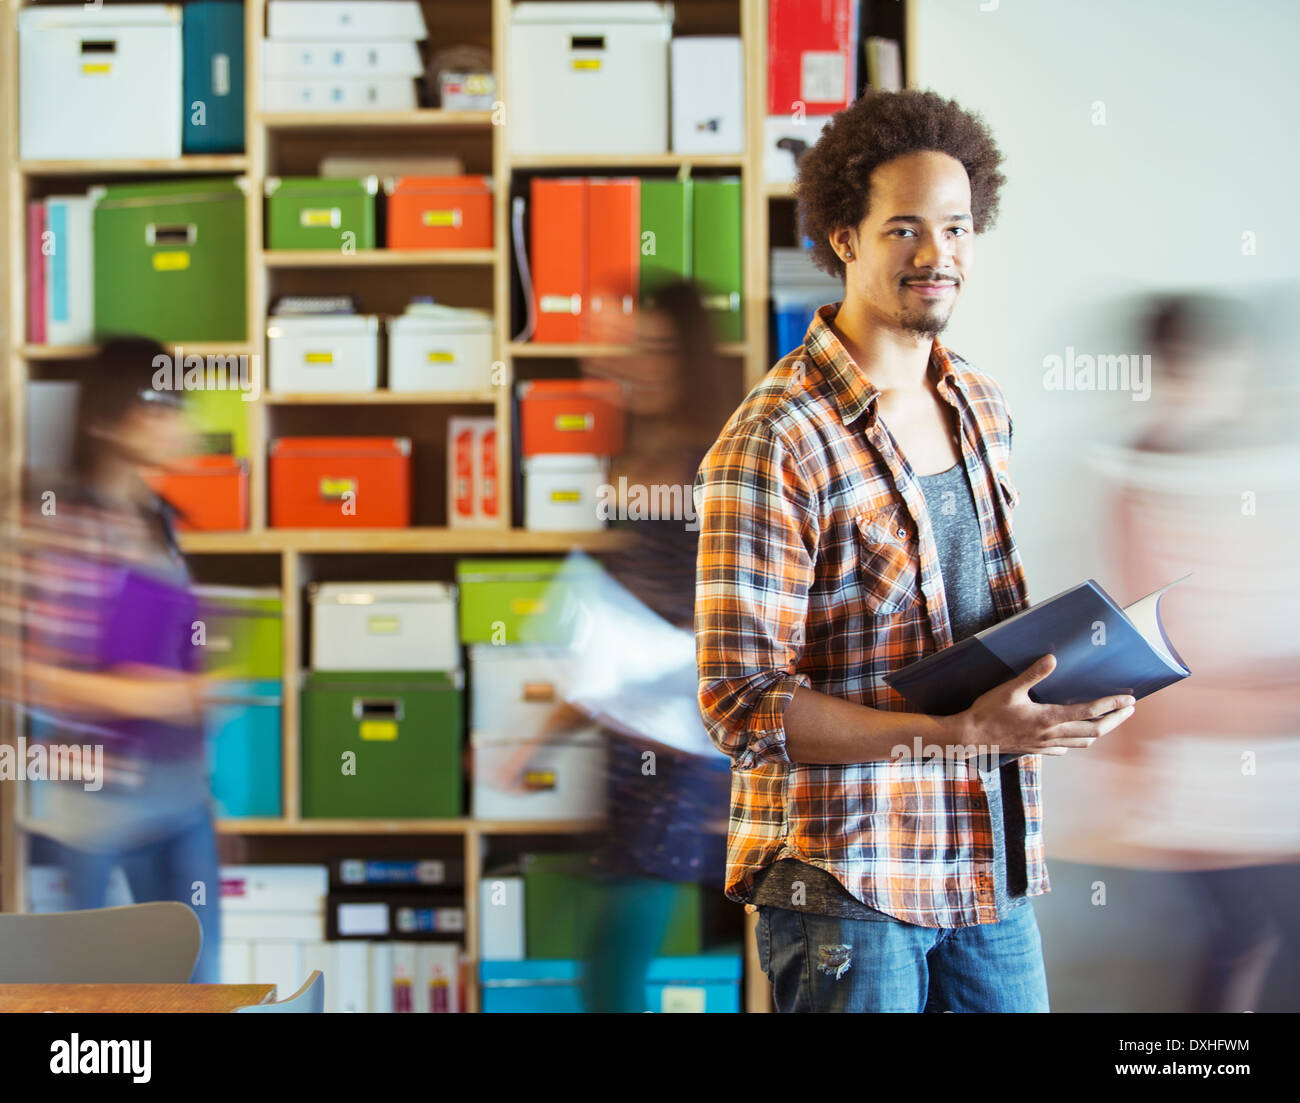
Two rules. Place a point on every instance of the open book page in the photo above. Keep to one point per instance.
(1144, 615)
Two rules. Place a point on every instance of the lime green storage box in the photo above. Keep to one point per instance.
(170, 261)
(307, 212)
(512, 601)
(382, 746)
(242, 626)
(562, 902)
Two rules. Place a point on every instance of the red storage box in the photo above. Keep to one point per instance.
(440, 212)
(341, 482)
(570, 415)
(209, 493)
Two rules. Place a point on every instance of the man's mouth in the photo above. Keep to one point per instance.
(930, 289)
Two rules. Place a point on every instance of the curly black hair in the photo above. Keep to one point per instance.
(835, 174)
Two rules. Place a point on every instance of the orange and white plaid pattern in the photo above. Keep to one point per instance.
(818, 567)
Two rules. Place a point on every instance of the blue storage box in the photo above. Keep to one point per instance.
(705, 982)
(244, 754)
(793, 314)
(212, 35)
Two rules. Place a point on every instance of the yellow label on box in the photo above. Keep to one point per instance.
(171, 262)
(383, 626)
(527, 606)
(566, 495)
(569, 423)
(437, 357)
(537, 780)
(326, 216)
(590, 63)
(450, 217)
(319, 357)
(384, 731)
(95, 68)
(336, 488)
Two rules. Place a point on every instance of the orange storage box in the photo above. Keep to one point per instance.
(209, 493)
(341, 482)
(439, 212)
(570, 415)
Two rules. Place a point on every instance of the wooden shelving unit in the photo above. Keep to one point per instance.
(282, 144)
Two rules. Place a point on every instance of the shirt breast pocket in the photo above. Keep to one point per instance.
(888, 561)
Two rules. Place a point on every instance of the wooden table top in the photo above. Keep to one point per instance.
(132, 997)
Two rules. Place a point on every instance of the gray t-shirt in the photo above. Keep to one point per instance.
(793, 884)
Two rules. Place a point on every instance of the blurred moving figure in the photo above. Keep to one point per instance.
(668, 789)
(1213, 763)
(107, 656)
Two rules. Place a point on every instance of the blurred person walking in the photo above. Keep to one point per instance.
(109, 655)
(1210, 772)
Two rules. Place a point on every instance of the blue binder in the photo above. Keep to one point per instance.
(213, 85)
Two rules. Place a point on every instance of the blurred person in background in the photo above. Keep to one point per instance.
(108, 655)
(666, 806)
(1212, 765)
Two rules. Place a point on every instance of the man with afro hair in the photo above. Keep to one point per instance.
(856, 515)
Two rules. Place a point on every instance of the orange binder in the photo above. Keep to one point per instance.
(559, 259)
(613, 257)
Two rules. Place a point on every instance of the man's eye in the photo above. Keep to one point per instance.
(958, 229)
(901, 230)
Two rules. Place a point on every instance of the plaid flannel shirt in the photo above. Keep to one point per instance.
(818, 567)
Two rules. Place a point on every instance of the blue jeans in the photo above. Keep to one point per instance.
(823, 963)
(165, 869)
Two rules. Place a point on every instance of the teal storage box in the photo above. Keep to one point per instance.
(169, 260)
(382, 745)
(212, 33)
(562, 904)
(244, 748)
(306, 212)
(699, 983)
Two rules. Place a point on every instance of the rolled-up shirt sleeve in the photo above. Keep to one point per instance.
(759, 527)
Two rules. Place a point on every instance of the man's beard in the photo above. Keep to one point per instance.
(925, 323)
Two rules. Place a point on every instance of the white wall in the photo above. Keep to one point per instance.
(1199, 146)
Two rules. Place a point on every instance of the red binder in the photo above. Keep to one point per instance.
(812, 52)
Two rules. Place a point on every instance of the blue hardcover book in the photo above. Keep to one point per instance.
(1100, 650)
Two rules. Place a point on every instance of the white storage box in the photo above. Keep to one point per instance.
(100, 84)
(323, 354)
(561, 492)
(440, 348)
(573, 69)
(384, 626)
(338, 94)
(560, 781)
(708, 83)
(512, 690)
(349, 20)
(473, 489)
(341, 59)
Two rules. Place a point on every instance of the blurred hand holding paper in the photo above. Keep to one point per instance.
(625, 666)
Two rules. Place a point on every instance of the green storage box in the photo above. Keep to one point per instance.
(243, 637)
(562, 901)
(382, 746)
(170, 260)
(512, 600)
(306, 212)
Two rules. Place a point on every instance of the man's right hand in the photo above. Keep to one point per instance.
(1007, 718)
